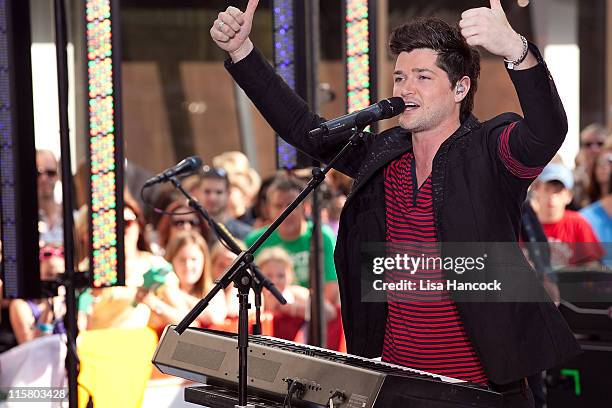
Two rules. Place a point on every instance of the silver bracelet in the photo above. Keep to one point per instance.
(513, 64)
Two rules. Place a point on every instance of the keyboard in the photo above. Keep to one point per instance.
(328, 378)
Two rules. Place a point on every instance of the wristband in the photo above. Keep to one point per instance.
(513, 64)
(45, 328)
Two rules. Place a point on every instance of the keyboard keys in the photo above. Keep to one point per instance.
(357, 361)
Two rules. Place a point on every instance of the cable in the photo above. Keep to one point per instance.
(158, 210)
(296, 388)
(291, 398)
(338, 397)
(71, 348)
(90, 403)
(289, 394)
(300, 389)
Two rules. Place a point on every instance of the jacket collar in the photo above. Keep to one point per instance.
(387, 146)
(396, 141)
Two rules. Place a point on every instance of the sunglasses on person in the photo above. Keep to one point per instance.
(590, 144)
(215, 171)
(48, 251)
(47, 172)
(182, 223)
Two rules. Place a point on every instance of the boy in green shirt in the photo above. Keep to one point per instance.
(294, 235)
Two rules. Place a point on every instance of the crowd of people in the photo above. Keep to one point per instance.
(172, 255)
(180, 250)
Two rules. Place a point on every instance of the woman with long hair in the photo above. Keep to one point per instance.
(188, 253)
(183, 218)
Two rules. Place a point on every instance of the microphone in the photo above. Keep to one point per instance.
(385, 109)
(184, 166)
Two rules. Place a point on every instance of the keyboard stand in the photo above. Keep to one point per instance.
(213, 396)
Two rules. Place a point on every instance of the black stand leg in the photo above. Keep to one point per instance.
(243, 337)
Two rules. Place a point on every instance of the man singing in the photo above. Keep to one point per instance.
(441, 176)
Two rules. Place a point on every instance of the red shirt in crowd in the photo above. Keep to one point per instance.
(573, 241)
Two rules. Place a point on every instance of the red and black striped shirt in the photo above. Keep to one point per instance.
(423, 329)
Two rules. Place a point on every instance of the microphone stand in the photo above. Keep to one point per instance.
(259, 280)
(257, 287)
(238, 270)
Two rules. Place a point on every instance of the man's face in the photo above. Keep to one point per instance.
(277, 202)
(214, 195)
(417, 79)
(551, 198)
(46, 167)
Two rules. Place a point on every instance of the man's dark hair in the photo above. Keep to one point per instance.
(455, 56)
(284, 183)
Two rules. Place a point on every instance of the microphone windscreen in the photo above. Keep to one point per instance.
(396, 106)
(195, 162)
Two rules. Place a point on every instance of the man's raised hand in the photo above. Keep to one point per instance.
(489, 28)
(232, 28)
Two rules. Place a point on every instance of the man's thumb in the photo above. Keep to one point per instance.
(495, 5)
(251, 7)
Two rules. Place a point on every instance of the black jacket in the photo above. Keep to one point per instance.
(476, 199)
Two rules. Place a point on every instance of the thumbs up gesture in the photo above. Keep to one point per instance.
(231, 30)
(489, 28)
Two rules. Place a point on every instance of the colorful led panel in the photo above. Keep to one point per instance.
(360, 53)
(284, 61)
(106, 186)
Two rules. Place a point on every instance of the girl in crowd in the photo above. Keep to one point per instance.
(244, 183)
(188, 253)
